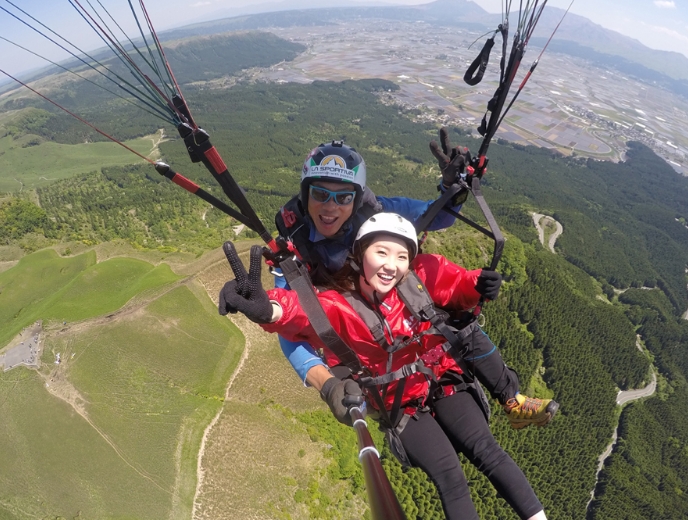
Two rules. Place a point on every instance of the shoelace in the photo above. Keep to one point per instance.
(531, 404)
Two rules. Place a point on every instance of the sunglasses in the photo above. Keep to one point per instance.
(322, 195)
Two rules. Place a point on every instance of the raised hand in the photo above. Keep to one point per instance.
(488, 284)
(452, 161)
(245, 294)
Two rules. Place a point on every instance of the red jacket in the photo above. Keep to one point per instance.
(449, 285)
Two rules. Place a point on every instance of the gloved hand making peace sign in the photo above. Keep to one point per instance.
(452, 161)
(245, 294)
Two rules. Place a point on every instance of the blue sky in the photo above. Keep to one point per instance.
(659, 24)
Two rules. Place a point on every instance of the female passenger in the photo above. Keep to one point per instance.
(442, 416)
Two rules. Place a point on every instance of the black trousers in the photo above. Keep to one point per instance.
(483, 359)
(459, 425)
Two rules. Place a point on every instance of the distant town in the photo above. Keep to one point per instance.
(567, 104)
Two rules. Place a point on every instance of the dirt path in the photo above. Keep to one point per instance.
(250, 332)
(200, 473)
(56, 379)
(57, 385)
(156, 139)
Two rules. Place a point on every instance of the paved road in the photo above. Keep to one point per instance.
(537, 218)
(553, 237)
(622, 398)
(24, 349)
(540, 230)
(630, 395)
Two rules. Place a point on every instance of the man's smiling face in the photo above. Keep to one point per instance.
(329, 216)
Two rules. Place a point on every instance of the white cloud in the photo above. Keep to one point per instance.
(669, 32)
(201, 4)
(664, 4)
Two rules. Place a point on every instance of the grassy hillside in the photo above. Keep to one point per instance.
(45, 286)
(114, 430)
(60, 465)
(30, 160)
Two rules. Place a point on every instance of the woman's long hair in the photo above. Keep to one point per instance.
(344, 280)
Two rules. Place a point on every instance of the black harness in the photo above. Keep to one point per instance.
(413, 294)
(294, 225)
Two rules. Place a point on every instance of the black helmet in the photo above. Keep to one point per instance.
(334, 162)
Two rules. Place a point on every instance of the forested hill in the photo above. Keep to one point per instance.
(558, 322)
(624, 223)
(198, 59)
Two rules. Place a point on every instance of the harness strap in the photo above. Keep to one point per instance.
(491, 221)
(479, 64)
(297, 278)
(400, 373)
(396, 405)
(413, 293)
(381, 407)
(368, 315)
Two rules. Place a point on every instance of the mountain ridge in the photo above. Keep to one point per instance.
(461, 13)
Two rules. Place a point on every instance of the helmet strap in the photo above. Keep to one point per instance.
(356, 269)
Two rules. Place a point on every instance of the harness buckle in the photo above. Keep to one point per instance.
(481, 320)
(285, 249)
(288, 216)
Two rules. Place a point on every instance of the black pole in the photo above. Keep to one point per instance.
(384, 504)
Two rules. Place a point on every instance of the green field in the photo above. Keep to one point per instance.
(59, 465)
(29, 161)
(45, 286)
(136, 390)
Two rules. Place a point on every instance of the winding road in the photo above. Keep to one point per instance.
(537, 219)
(622, 398)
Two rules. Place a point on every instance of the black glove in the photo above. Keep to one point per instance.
(245, 294)
(335, 391)
(452, 161)
(488, 284)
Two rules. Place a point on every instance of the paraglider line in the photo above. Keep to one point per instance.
(79, 118)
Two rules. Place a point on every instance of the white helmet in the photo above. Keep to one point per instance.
(389, 224)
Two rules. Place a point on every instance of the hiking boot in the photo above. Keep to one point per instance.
(523, 411)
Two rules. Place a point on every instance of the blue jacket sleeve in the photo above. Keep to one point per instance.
(300, 355)
(412, 210)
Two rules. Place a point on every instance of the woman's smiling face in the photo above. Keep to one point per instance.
(385, 262)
